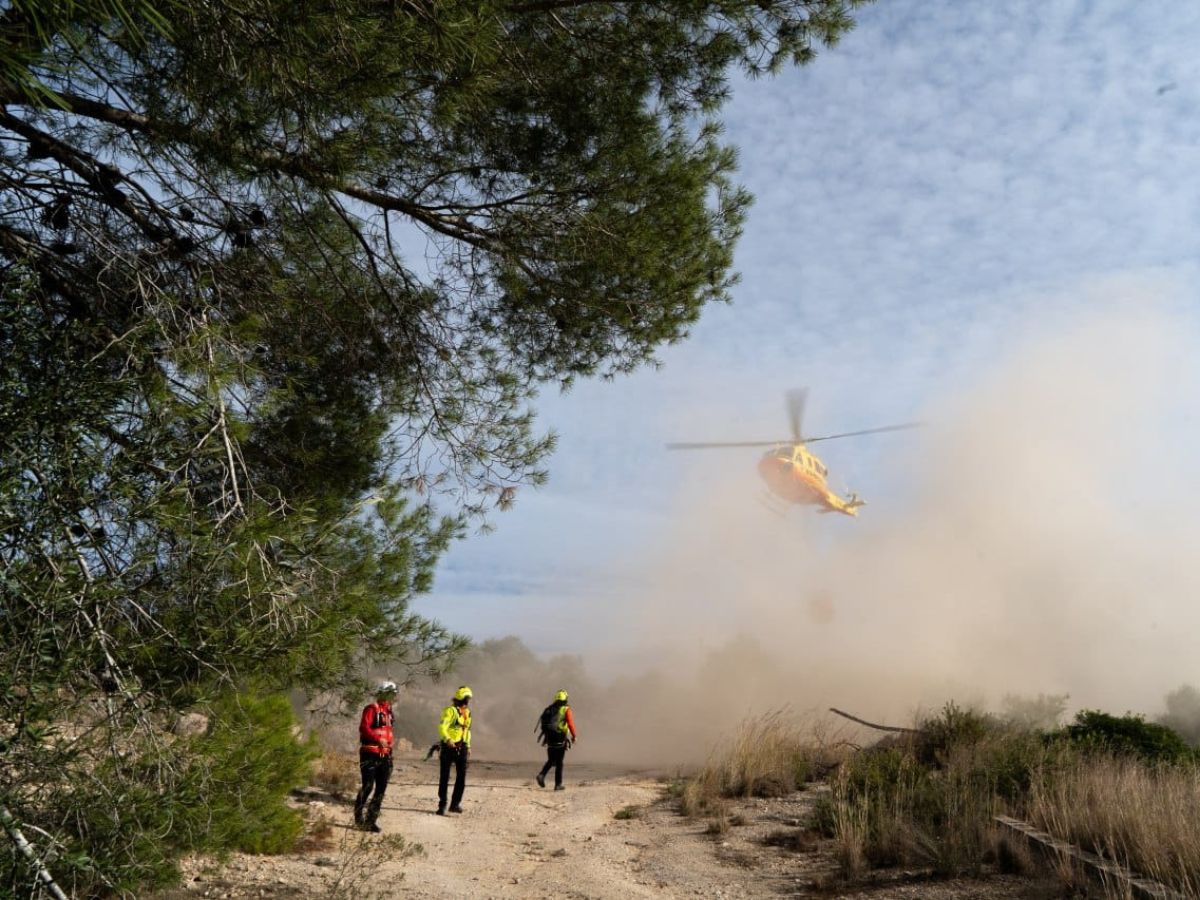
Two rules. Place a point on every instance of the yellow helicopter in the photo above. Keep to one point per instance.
(793, 472)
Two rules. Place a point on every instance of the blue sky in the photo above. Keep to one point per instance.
(951, 179)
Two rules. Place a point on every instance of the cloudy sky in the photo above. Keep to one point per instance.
(953, 180)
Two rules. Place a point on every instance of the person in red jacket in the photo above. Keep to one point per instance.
(375, 741)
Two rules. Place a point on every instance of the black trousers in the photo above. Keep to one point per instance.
(452, 756)
(556, 754)
(375, 770)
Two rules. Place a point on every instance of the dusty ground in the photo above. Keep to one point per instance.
(516, 840)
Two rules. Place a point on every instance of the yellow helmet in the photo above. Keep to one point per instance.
(561, 695)
(463, 693)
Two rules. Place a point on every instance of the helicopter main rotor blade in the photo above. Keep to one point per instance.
(829, 437)
(796, 400)
(712, 445)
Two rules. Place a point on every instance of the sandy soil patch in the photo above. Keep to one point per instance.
(516, 840)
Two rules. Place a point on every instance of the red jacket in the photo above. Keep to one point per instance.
(375, 728)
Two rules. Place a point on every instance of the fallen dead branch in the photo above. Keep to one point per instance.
(894, 728)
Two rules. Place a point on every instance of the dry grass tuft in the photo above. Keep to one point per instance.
(888, 809)
(1012, 855)
(317, 837)
(931, 802)
(718, 824)
(1145, 817)
(769, 756)
(337, 773)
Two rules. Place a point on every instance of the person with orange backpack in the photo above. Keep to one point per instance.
(557, 726)
(375, 740)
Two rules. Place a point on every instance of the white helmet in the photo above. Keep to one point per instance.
(386, 687)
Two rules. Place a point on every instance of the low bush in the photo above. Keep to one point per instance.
(245, 766)
(130, 815)
(951, 729)
(337, 773)
(929, 799)
(1118, 786)
(1129, 735)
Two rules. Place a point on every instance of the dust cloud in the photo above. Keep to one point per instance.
(1037, 537)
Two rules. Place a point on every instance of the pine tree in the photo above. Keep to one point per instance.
(279, 280)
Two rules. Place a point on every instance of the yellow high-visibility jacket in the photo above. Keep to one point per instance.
(456, 725)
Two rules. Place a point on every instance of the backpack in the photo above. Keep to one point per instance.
(550, 725)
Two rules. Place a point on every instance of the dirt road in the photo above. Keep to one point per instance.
(517, 840)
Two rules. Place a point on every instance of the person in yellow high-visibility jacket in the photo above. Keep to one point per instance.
(455, 735)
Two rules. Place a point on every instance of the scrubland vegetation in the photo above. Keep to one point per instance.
(1118, 786)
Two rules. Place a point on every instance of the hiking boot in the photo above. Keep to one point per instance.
(456, 809)
(559, 787)
(441, 811)
(371, 816)
(373, 828)
(541, 780)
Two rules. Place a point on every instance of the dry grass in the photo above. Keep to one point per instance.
(851, 834)
(902, 805)
(768, 756)
(1146, 818)
(359, 856)
(337, 773)
(317, 837)
(717, 825)
(887, 809)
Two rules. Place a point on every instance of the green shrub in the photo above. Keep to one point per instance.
(128, 817)
(1129, 735)
(929, 799)
(952, 727)
(245, 766)
(875, 770)
(118, 823)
